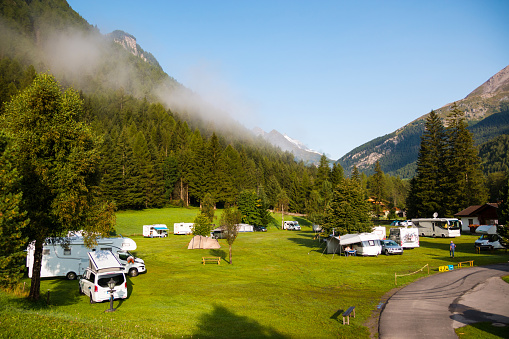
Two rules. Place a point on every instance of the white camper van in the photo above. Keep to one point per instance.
(155, 231)
(67, 257)
(291, 225)
(406, 237)
(183, 228)
(438, 227)
(489, 239)
(103, 266)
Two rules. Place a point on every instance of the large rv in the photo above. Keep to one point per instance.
(438, 227)
(68, 257)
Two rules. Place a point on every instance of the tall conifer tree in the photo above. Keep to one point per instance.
(465, 185)
(427, 188)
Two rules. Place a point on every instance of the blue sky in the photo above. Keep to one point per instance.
(332, 74)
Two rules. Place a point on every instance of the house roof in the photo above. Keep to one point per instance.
(474, 210)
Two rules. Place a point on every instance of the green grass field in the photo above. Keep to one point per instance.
(279, 285)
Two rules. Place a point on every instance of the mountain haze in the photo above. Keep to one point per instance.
(486, 110)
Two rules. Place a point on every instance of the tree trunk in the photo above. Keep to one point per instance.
(35, 285)
(230, 254)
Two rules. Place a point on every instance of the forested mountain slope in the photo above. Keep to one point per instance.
(161, 143)
(487, 112)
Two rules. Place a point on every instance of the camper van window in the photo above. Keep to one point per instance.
(91, 278)
(103, 280)
(106, 249)
(45, 251)
(67, 251)
(123, 255)
(371, 243)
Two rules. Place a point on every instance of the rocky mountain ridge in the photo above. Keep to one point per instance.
(397, 152)
(288, 144)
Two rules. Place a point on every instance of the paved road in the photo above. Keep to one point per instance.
(434, 306)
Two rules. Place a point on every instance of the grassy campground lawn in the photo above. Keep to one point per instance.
(279, 285)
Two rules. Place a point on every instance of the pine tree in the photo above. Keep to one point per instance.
(465, 184)
(248, 207)
(348, 211)
(376, 187)
(428, 187)
(337, 174)
(323, 172)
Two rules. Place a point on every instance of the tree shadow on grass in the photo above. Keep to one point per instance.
(218, 253)
(60, 292)
(221, 323)
(307, 239)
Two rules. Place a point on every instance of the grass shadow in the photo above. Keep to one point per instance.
(222, 323)
(218, 253)
(307, 239)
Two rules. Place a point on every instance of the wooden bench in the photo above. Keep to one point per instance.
(347, 315)
(211, 260)
(465, 263)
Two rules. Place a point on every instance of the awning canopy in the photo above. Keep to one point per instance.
(348, 239)
(161, 228)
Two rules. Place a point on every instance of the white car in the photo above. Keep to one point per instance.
(95, 285)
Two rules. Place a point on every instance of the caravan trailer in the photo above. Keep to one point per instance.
(155, 231)
(438, 227)
(365, 244)
(183, 228)
(67, 257)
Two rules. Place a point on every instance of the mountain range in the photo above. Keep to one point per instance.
(486, 110)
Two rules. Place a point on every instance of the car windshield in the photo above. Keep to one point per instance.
(103, 279)
(390, 243)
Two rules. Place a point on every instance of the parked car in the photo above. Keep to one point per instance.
(260, 229)
(391, 247)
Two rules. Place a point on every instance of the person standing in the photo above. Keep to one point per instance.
(452, 247)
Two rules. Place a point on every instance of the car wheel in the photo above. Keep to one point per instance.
(386, 252)
(91, 300)
(71, 276)
(133, 272)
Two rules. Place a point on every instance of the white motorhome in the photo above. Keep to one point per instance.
(406, 237)
(291, 225)
(155, 231)
(438, 227)
(183, 228)
(67, 257)
(365, 244)
(103, 266)
(489, 239)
